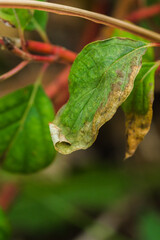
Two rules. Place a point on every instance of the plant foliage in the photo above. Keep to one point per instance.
(104, 76)
(25, 143)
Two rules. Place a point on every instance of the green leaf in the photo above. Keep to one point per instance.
(100, 80)
(149, 227)
(25, 142)
(138, 107)
(148, 56)
(40, 17)
(25, 17)
(4, 226)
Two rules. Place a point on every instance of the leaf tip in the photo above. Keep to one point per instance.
(128, 155)
(57, 137)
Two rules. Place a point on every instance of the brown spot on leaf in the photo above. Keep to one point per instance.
(120, 74)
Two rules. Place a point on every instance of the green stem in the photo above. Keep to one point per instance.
(41, 32)
(92, 16)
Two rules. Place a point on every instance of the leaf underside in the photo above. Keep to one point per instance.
(138, 108)
(25, 142)
(100, 80)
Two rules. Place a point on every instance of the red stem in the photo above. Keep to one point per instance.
(55, 52)
(46, 48)
(8, 193)
(31, 57)
(13, 71)
(154, 44)
(144, 13)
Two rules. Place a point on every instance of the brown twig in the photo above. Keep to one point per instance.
(92, 16)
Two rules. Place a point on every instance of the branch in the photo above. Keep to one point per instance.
(54, 52)
(71, 11)
(7, 43)
(46, 48)
(13, 71)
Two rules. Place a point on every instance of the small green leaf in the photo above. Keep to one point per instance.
(40, 17)
(138, 107)
(25, 142)
(100, 80)
(26, 17)
(4, 226)
(148, 56)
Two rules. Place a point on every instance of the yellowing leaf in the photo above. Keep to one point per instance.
(100, 80)
(138, 107)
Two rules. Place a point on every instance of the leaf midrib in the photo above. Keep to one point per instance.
(24, 116)
(145, 46)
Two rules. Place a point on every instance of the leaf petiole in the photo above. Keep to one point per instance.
(41, 32)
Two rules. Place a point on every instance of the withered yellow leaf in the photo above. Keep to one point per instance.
(138, 108)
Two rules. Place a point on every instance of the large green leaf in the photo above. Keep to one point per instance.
(25, 142)
(4, 226)
(138, 107)
(25, 17)
(100, 80)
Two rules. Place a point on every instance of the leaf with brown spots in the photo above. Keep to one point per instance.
(138, 107)
(100, 80)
